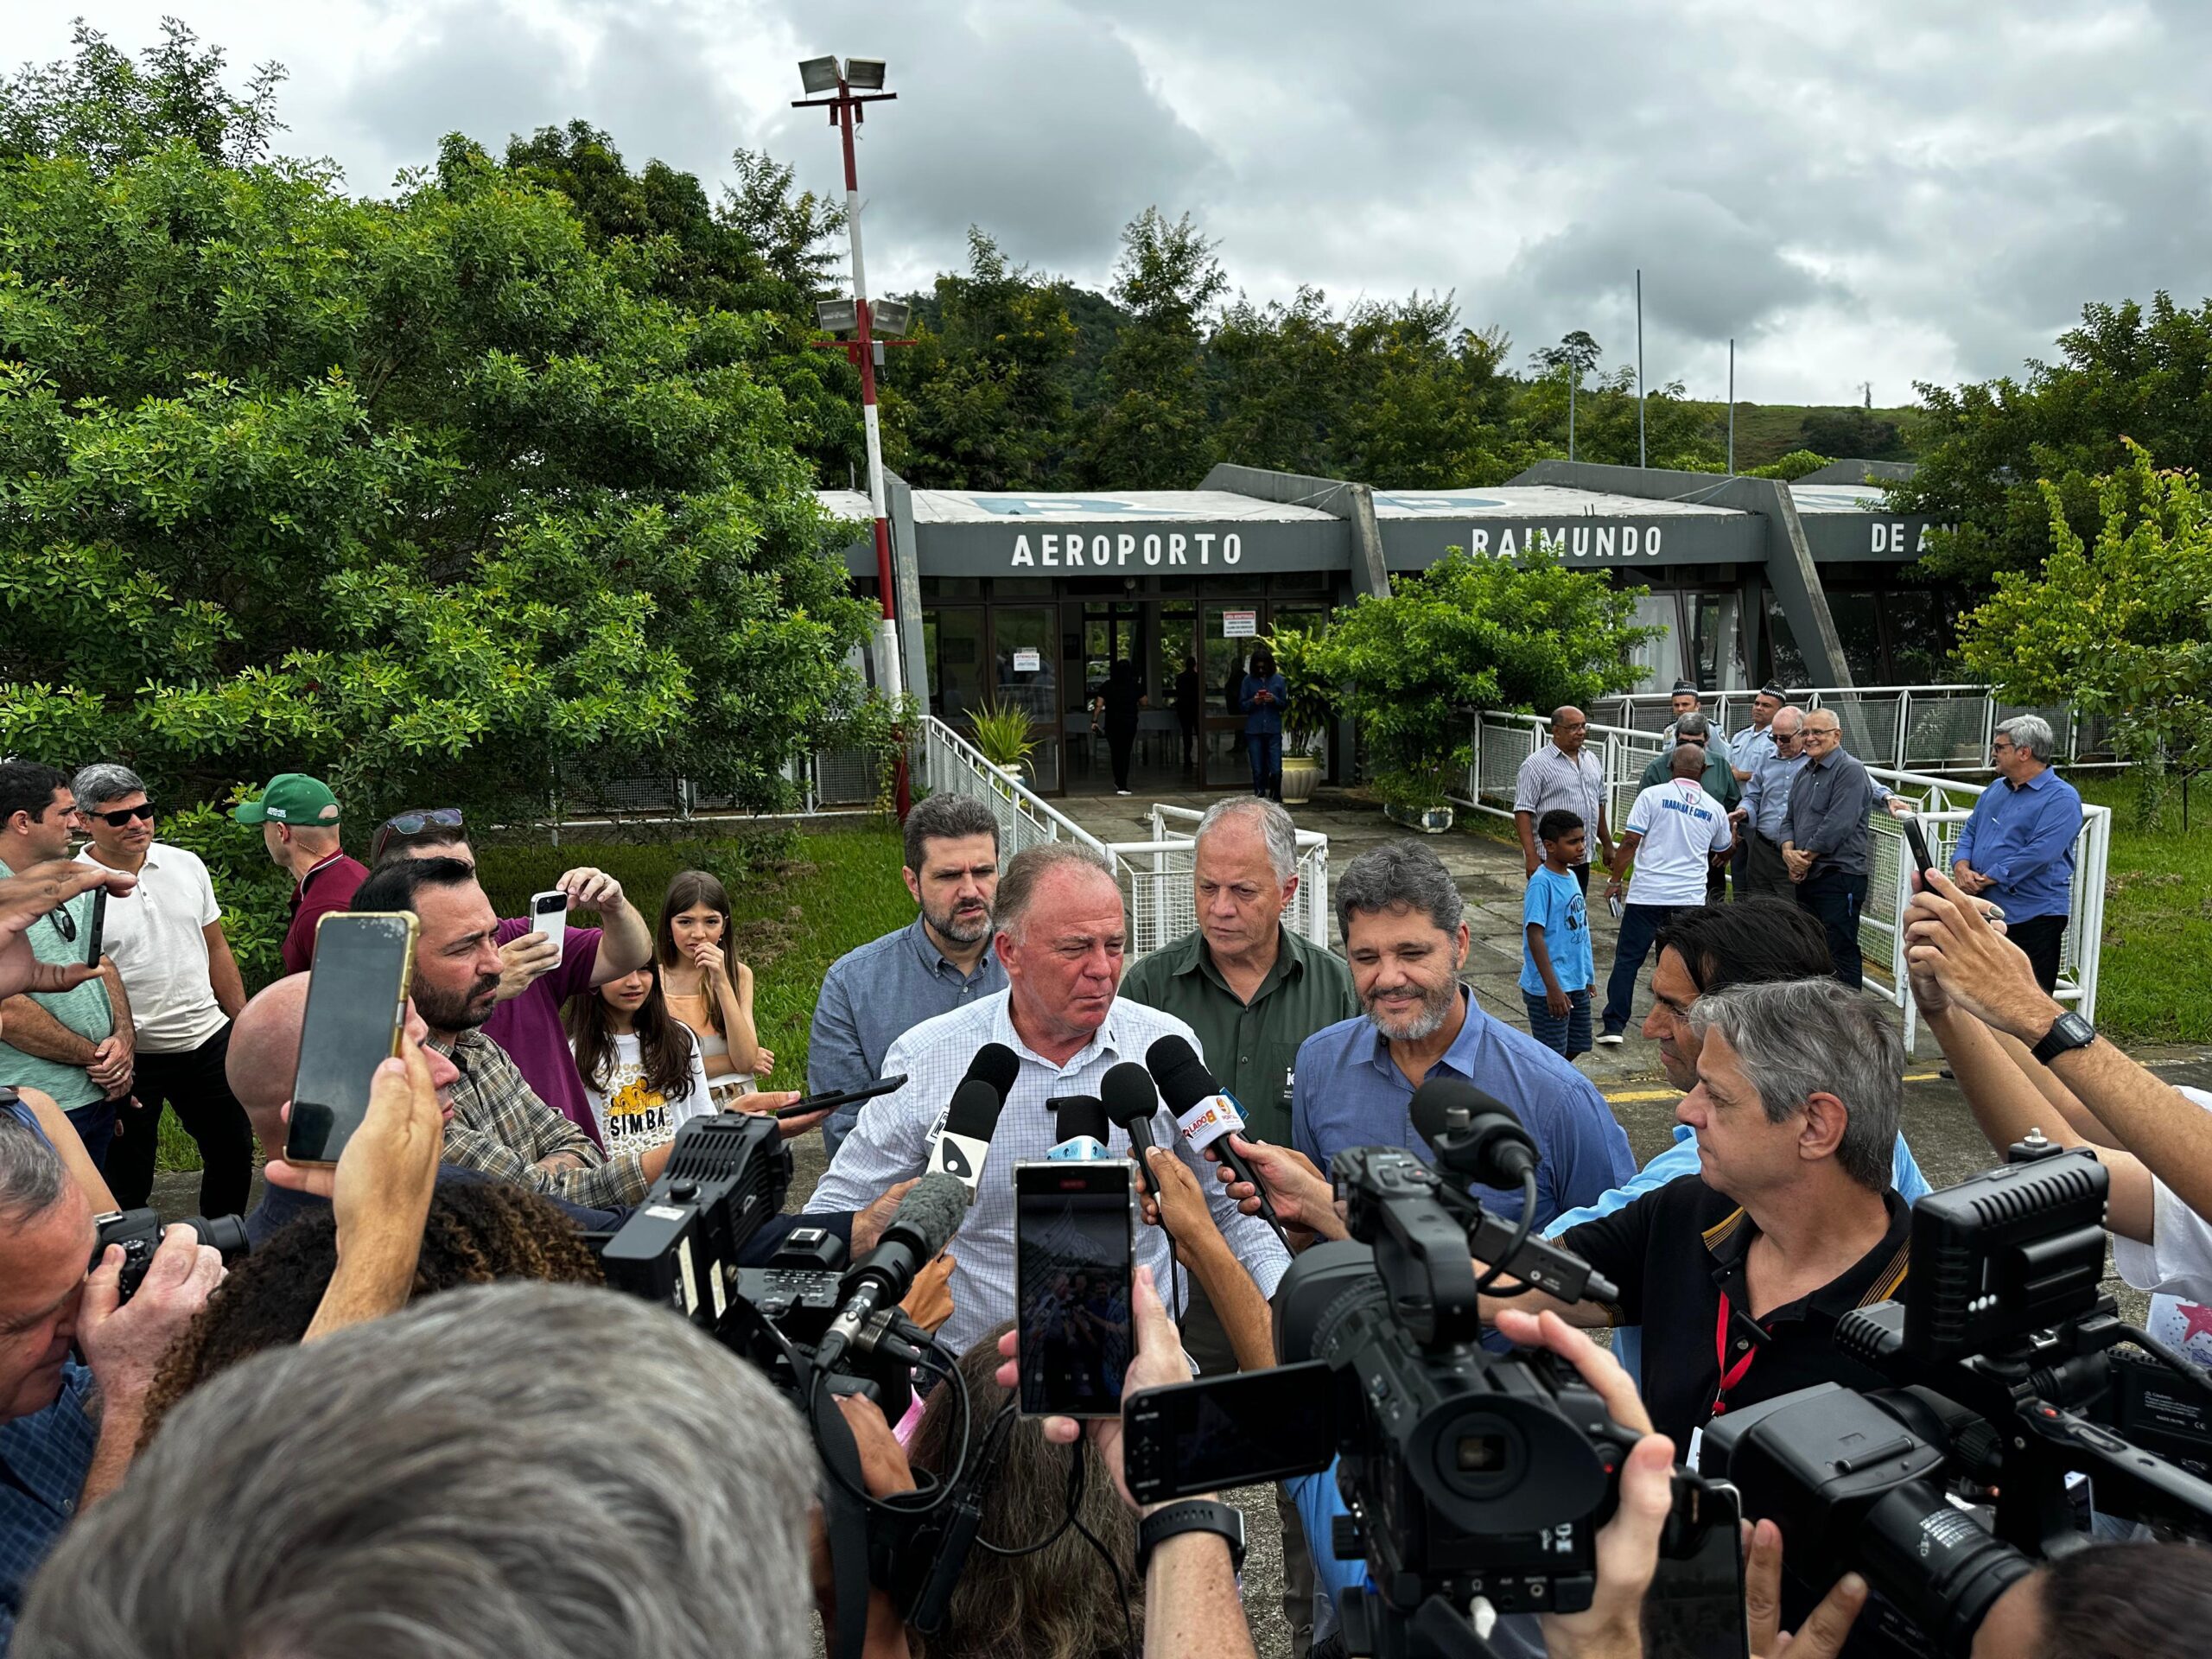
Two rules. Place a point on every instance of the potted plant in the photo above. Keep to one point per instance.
(1306, 713)
(1005, 735)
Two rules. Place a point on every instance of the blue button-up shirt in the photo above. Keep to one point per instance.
(1349, 1093)
(1747, 749)
(1766, 797)
(873, 995)
(44, 1459)
(2021, 836)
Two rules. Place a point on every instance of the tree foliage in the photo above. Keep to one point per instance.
(2118, 623)
(432, 495)
(1466, 634)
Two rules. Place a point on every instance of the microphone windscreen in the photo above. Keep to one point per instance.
(974, 1112)
(1182, 1076)
(996, 1065)
(1129, 1093)
(933, 1211)
(1435, 1101)
(1081, 1115)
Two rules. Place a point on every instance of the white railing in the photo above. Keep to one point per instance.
(1502, 742)
(948, 764)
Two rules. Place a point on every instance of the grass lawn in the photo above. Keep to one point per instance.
(2155, 984)
(798, 902)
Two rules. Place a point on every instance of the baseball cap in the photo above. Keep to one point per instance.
(292, 798)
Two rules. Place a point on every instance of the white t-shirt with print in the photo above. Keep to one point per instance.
(634, 1117)
(2176, 1267)
(1679, 824)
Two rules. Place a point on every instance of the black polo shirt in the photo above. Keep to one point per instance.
(1673, 1253)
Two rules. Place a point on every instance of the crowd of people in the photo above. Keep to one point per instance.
(293, 1457)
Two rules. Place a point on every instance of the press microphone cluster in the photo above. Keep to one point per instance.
(1131, 1100)
(1206, 1114)
(963, 1140)
(1082, 1123)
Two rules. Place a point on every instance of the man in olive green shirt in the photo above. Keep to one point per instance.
(1253, 991)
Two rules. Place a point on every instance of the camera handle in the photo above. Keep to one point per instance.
(1436, 1629)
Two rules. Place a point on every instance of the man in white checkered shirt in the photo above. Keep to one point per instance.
(1061, 935)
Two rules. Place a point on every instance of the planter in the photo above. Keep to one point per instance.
(1301, 775)
(1430, 821)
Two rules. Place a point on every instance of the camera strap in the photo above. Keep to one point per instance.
(1730, 1374)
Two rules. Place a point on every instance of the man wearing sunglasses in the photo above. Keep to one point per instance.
(167, 941)
(298, 817)
(74, 1045)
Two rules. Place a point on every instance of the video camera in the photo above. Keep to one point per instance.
(2008, 1381)
(139, 1233)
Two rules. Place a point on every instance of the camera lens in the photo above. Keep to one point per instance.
(1941, 1566)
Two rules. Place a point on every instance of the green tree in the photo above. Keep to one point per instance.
(1153, 428)
(427, 495)
(1466, 634)
(102, 106)
(2116, 623)
(1988, 451)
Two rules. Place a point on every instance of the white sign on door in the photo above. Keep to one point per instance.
(1240, 625)
(1027, 662)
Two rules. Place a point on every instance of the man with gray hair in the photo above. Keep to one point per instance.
(1791, 1222)
(507, 1469)
(2017, 850)
(166, 940)
(67, 1430)
(1060, 936)
(1406, 935)
(942, 959)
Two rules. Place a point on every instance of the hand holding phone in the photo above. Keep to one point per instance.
(808, 1105)
(357, 1008)
(549, 914)
(1073, 1267)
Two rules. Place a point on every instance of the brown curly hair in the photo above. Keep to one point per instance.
(477, 1232)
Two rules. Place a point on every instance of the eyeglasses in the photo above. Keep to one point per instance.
(406, 825)
(64, 922)
(120, 819)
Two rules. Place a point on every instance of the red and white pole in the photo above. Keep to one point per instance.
(887, 671)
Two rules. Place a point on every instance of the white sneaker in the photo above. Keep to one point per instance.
(1125, 791)
(1611, 1039)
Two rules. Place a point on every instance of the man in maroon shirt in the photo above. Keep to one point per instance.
(298, 817)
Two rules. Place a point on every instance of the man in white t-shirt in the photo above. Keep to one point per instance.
(166, 939)
(1674, 829)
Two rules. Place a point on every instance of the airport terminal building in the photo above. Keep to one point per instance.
(1029, 599)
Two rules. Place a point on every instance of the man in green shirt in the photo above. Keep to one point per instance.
(1253, 991)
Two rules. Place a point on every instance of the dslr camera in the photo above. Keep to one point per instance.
(139, 1232)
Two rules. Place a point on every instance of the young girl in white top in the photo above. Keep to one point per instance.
(643, 1069)
(708, 987)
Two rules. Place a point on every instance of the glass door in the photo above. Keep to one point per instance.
(1229, 631)
(1025, 662)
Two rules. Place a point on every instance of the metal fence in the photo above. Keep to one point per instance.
(827, 780)
(1502, 742)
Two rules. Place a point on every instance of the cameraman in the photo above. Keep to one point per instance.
(66, 1429)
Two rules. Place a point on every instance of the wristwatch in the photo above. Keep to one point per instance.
(2068, 1031)
(1192, 1514)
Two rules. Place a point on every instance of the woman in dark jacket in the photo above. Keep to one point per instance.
(1264, 694)
(1118, 709)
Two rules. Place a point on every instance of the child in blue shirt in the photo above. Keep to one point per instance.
(1557, 968)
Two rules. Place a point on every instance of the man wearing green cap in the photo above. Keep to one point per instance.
(298, 817)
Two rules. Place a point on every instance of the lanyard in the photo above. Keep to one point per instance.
(1730, 1374)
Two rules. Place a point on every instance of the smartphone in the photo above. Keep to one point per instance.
(93, 939)
(842, 1097)
(549, 914)
(1228, 1431)
(357, 1007)
(1919, 842)
(1073, 1273)
(1695, 1607)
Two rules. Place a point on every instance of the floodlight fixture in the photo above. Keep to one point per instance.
(818, 74)
(889, 318)
(865, 74)
(836, 316)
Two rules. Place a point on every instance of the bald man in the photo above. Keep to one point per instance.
(1561, 776)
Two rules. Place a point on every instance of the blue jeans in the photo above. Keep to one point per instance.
(1640, 925)
(95, 1127)
(1266, 750)
(1568, 1035)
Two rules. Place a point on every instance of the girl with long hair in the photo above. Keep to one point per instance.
(642, 1068)
(706, 986)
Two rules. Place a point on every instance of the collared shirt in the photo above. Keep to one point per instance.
(1254, 1045)
(156, 934)
(501, 1128)
(2021, 836)
(84, 1009)
(1679, 826)
(1829, 805)
(1719, 779)
(329, 886)
(874, 995)
(1766, 794)
(1552, 780)
(1718, 744)
(1350, 1093)
(891, 1143)
(44, 1459)
(1673, 1253)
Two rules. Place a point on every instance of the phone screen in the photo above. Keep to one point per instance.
(1230, 1431)
(357, 1003)
(1072, 1267)
(1695, 1608)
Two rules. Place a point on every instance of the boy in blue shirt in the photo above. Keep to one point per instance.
(1557, 966)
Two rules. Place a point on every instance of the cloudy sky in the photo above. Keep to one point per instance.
(1884, 190)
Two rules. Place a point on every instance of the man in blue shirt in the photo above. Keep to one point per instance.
(1406, 936)
(943, 960)
(2017, 849)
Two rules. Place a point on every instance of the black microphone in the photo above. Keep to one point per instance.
(923, 1225)
(1472, 1134)
(1206, 1113)
(1082, 1120)
(1132, 1101)
(963, 1140)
